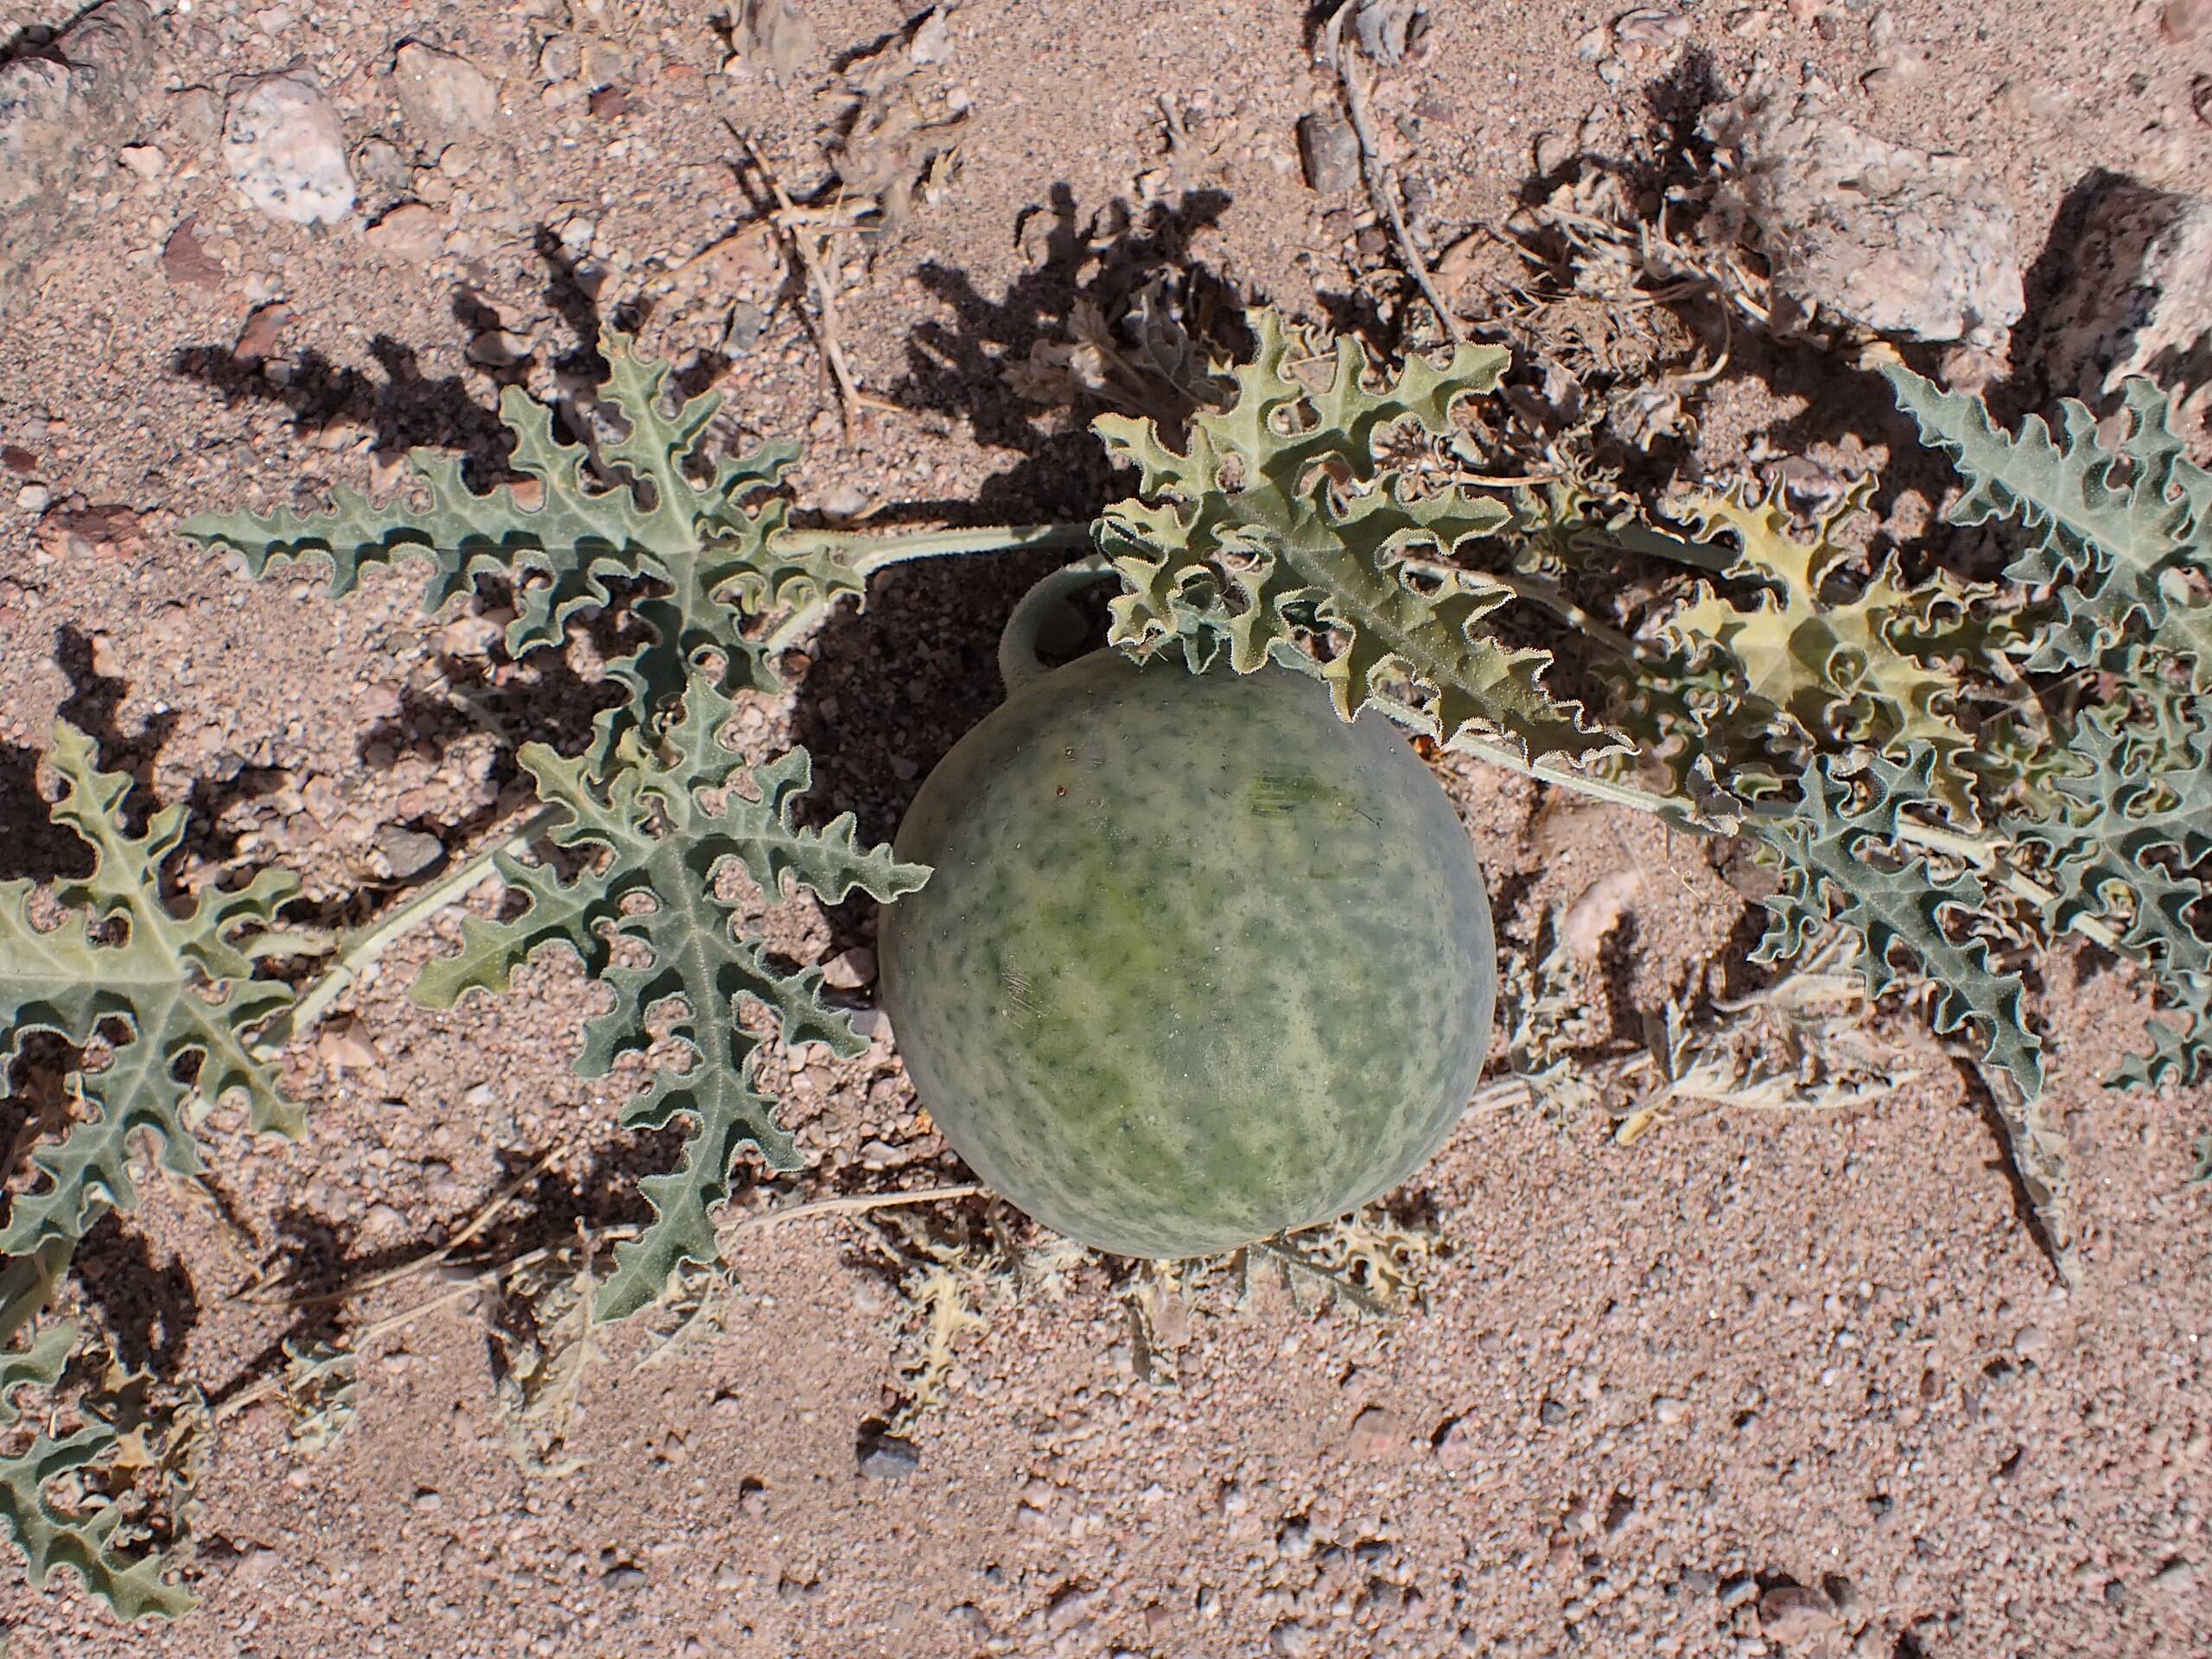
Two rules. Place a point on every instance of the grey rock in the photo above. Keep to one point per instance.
(64, 108)
(1734, 1591)
(1896, 239)
(1292, 1640)
(2137, 299)
(1071, 1606)
(378, 163)
(971, 1622)
(408, 852)
(284, 147)
(889, 1458)
(442, 99)
(1328, 150)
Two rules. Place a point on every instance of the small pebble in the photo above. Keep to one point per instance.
(1330, 151)
(411, 231)
(850, 969)
(1375, 1433)
(1455, 1448)
(889, 1459)
(1793, 1613)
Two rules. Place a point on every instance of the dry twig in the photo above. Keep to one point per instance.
(1382, 183)
(798, 230)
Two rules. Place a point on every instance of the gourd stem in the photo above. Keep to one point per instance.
(1018, 662)
(867, 554)
(1672, 808)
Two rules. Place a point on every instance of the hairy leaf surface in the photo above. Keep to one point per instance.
(1280, 520)
(662, 841)
(1833, 669)
(84, 1539)
(2117, 529)
(648, 504)
(1841, 859)
(2138, 820)
(179, 977)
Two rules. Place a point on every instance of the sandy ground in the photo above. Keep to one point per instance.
(1651, 1387)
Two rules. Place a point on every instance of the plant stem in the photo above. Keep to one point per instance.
(1988, 857)
(1672, 808)
(869, 554)
(1382, 183)
(370, 943)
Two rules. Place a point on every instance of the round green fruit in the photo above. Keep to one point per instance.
(1198, 961)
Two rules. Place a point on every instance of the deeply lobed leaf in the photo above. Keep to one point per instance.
(2138, 821)
(2117, 529)
(658, 837)
(1841, 859)
(1817, 668)
(178, 978)
(646, 505)
(1278, 519)
(85, 1540)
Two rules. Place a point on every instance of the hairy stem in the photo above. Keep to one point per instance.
(370, 943)
(1672, 808)
(870, 553)
(1988, 857)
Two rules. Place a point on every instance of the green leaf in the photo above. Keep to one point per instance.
(84, 1540)
(646, 505)
(2116, 529)
(1280, 519)
(661, 841)
(2137, 818)
(1841, 861)
(1827, 670)
(179, 977)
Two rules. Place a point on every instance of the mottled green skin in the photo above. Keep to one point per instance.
(1198, 961)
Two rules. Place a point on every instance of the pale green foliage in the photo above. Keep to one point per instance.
(644, 506)
(650, 506)
(320, 1391)
(1841, 861)
(1280, 520)
(664, 841)
(1810, 669)
(90, 1538)
(2116, 530)
(179, 977)
(2115, 804)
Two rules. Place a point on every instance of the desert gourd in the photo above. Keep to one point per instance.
(1198, 961)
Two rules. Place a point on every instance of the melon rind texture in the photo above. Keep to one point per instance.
(1198, 961)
